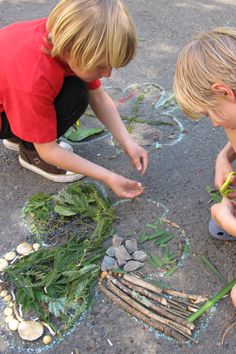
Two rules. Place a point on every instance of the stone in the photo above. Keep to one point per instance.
(131, 245)
(115, 266)
(121, 262)
(122, 254)
(139, 256)
(107, 263)
(111, 251)
(133, 265)
(117, 240)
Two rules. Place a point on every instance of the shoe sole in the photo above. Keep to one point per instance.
(70, 177)
(11, 146)
(219, 234)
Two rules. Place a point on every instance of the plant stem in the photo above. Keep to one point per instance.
(225, 290)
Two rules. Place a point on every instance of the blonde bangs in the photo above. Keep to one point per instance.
(94, 31)
(209, 58)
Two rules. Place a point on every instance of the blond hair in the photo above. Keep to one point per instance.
(209, 58)
(93, 31)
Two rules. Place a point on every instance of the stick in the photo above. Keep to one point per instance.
(169, 303)
(160, 327)
(143, 291)
(137, 281)
(184, 295)
(179, 328)
(155, 289)
(143, 300)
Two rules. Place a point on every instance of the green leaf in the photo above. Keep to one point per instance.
(78, 134)
(63, 210)
(166, 238)
(169, 272)
(213, 269)
(155, 261)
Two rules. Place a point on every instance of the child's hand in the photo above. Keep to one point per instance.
(138, 156)
(224, 214)
(222, 168)
(125, 188)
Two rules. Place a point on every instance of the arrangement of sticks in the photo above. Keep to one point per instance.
(163, 309)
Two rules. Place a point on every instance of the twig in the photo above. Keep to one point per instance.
(228, 321)
(140, 282)
(148, 303)
(171, 223)
(184, 295)
(143, 291)
(155, 289)
(179, 328)
(226, 331)
(163, 303)
(160, 327)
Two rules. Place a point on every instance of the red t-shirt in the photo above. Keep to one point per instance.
(30, 80)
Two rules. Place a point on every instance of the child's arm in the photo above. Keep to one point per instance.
(55, 155)
(223, 164)
(107, 113)
(224, 215)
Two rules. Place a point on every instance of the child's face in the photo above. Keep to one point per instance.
(94, 74)
(98, 72)
(224, 115)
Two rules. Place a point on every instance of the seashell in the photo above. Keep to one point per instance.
(36, 246)
(24, 248)
(8, 318)
(9, 256)
(7, 298)
(30, 330)
(3, 293)
(8, 311)
(3, 264)
(47, 339)
(13, 324)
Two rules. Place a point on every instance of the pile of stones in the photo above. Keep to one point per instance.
(123, 254)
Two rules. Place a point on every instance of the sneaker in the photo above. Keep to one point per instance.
(32, 161)
(12, 143)
(218, 233)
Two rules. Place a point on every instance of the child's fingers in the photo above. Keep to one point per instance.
(140, 163)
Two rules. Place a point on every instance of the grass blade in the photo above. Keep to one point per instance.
(213, 269)
(225, 290)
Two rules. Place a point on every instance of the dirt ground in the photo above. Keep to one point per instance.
(175, 182)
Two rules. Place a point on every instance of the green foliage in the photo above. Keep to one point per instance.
(81, 204)
(164, 260)
(55, 282)
(58, 283)
(76, 133)
(215, 195)
(37, 212)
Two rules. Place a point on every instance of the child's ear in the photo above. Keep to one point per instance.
(224, 90)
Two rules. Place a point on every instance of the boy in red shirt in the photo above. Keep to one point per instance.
(51, 74)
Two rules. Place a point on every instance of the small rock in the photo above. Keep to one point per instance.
(139, 256)
(122, 254)
(131, 245)
(117, 240)
(121, 262)
(115, 266)
(107, 263)
(111, 251)
(132, 265)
